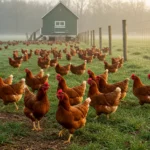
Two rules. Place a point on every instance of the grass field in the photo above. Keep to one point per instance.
(127, 129)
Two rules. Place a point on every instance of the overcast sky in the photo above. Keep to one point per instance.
(56, 1)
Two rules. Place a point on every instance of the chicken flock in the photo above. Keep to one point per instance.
(72, 111)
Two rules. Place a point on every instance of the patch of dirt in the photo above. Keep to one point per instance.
(34, 144)
(47, 139)
(11, 117)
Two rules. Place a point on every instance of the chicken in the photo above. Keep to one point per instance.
(111, 68)
(63, 70)
(93, 76)
(118, 59)
(141, 91)
(80, 69)
(25, 56)
(37, 52)
(101, 57)
(16, 57)
(36, 106)
(68, 56)
(89, 59)
(105, 87)
(24, 51)
(70, 117)
(106, 103)
(11, 93)
(6, 47)
(72, 52)
(15, 63)
(75, 94)
(35, 82)
(40, 74)
(30, 54)
(43, 62)
(8, 80)
(53, 62)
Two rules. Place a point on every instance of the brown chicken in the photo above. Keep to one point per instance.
(141, 91)
(93, 76)
(80, 69)
(63, 70)
(25, 56)
(43, 62)
(35, 82)
(101, 57)
(103, 103)
(70, 117)
(16, 57)
(53, 62)
(40, 74)
(15, 63)
(89, 59)
(105, 87)
(36, 106)
(68, 56)
(30, 54)
(11, 93)
(118, 59)
(75, 94)
(8, 80)
(111, 68)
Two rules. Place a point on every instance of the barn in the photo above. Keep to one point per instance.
(60, 22)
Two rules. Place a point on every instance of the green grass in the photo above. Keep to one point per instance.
(127, 129)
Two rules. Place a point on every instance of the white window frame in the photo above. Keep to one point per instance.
(58, 24)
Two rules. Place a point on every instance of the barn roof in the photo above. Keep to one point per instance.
(63, 5)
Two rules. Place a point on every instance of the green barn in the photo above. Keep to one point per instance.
(59, 22)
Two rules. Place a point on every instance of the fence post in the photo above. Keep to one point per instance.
(34, 36)
(88, 37)
(110, 39)
(124, 26)
(100, 38)
(93, 38)
(84, 34)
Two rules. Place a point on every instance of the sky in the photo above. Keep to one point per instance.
(56, 1)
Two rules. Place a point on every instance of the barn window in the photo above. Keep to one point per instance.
(59, 24)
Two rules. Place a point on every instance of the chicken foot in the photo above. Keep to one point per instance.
(16, 105)
(34, 127)
(68, 141)
(60, 134)
(96, 117)
(107, 116)
(39, 128)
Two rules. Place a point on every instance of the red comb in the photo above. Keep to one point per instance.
(89, 80)
(46, 84)
(148, 76)
(89, 71)
(26, 69)
(60, 91)
(133, 75)
(97, 77)
(58, 75)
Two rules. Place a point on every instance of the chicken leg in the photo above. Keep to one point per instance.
(60, 134)
(96, 117)
(16, 105)
(39, 128)
(68, 141)
(34, 127)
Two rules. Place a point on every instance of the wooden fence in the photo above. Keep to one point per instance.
(89, 38)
